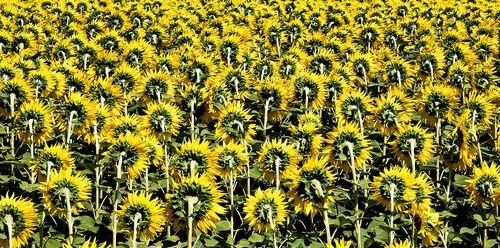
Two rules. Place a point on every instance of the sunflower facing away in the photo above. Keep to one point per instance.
(196, 156)
(235, 124)
(35, 121)
(400, 181)
(22, 215)
(265, 210)
(206, 211)
(55, 157)
(408, 137)
(147, 210)
(130, 150)
(483, 183)
(277, 154)
(341, 140)
(162, 120)
(231, 157)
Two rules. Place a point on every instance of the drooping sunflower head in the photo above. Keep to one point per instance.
(483, 183)
(307, 137)
(423, 189)
(206, 198)
(362, 67)
(398, 73)
(64, 184)
(410, 137)
(162, 120)
(485, 47)
(199, 70)
(235, 124)
(480, 109)
(127, 78)
(438, 102)
(129, 152)
(35, 122)
(195, 156)
(15, 92)
(289, 65)
(158, 86)
(310, 118)
(352, 105)
(231, 157)
(230, 48)
(368, 36)
(99, 130)
(78, 110)
(484, 76)
(139, 54)
(309, 90)
(431, 63)
(459, 75)
(154, 150)
(322, 63)
(144, 211)
(275, 95)
(395, 183)
(428, 225)
(106, 94)
(388, 112)
(277, 154)
(311, 187)
(124, 124)
(265, 210)
(21, 215)
(55, 157)
(236, 81)
(42, 81)
(347, 141)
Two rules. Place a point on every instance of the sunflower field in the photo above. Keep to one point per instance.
(249, 123)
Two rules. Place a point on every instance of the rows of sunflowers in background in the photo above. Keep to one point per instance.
(237, 123)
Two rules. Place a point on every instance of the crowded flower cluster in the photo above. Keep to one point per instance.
(237, 123)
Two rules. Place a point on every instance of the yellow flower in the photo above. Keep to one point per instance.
(162, 120)
(308, 139)
(106, 94)
(309, 90)
(402, 244)
(87, 244)
(35, 122)
(54, 196)
(388, 112)
(311, 187)
(146, 210)
(408, 136)
(274, 94)
(206, 211)
(196, 155)
(100, 126)
(78, 109)
(231, 157)
(437, 101)
(234, 124)
(122, 125)
(14, 93)
(57, 156)
(428, 226)
(154, 150)
(480, 109)
(131, 150)
(277, 154)
(483, 183)
(352, 105)
(158, 86)
(338, 146)
(265, 210)
(400, 181)
(341, 243)
(24, 220)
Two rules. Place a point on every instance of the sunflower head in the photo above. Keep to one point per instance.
(54, 157)
(275, 96)
(63, 184)
(277, 154)
(158, 86)
(311, 187)
(483, 183)
(438, 102)
(265, 210)
(235, 124)
(145, 211)
(195, 156)
(414, 138)
(162, 120)
(35, 122)
(15, 92)
(396, 183)
(309, 90)
(307, 137)
(388, 112)
(124, 124)
(401, 244)
(129, 152)
(352, 105)
(231, 157)
(78, 110)
(22, 216)
(206, 208)
(347, 141)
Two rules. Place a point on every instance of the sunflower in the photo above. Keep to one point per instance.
(100, 126)
(397, 72)
(340, 243)
(308, 138)
(437, 102)
(409, 136)
(199, 70)
(401, 244)
(422, 186)
(480, 110)
(311, 187)
(145, 211)
(131, 151)
(309, 90)
(231, 157)
(459, 75)
(35, 122)
(388, 112)
(431, 63)
(54, 196)
(275, 95)
(42, 81)
(397, 180)
(310, 118)
(122, 125)
(289, 65)
(341, 140)
(56, 157)
(128, 79)
(87, 244)
(195, 156)
(107, 94)
(265, 210)
(206, 211)
(277, 154)
(321, 63)
(162, 120)
(362, 67)
(22, 216)
(229, 49)
(234, 124)
(483, 183)
(158, 86)
(236, 81)
(483, 76)
(78, 112)
(154, 150)
(352, 105)
(428, 226)
(15, 92)
(139, 54)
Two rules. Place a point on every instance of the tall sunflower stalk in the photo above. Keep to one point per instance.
(9, 222)
(97, 171)
(357, 223)
(115, 204)
(191, 200)
(69, 214)
(70, 127)
(137, 218)
(12, 99)
(316, 184)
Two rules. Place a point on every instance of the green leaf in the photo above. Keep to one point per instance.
(256, 238)
(87, 223)
(223, 226)
(466, 230)
(211, 242)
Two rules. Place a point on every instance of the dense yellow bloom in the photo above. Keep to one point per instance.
(277, 154)
(195, 156)
(483, 183)
(265, 210)
(162, 120)
(231, 157)
(414, 138)
(130, 151)
(23, 215)
(234, 124)
(348, 136)
(147, 210)
(35, 121)
(396, 183)
(54, 192)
